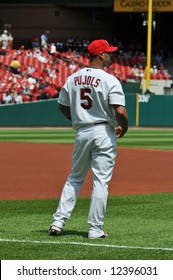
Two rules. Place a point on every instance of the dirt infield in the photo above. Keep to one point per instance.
(38, 171)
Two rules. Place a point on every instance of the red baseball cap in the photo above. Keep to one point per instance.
(99, 46)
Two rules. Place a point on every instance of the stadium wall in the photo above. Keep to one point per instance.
(143, 110)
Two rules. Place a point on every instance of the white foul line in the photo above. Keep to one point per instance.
(85, 244)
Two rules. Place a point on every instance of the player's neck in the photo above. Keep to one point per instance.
(96, 65)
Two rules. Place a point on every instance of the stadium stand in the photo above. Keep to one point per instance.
(49, 72)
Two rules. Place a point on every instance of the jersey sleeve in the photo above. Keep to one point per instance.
(116, 94)
(64, 96)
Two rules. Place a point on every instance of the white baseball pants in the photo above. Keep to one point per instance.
(95, 148)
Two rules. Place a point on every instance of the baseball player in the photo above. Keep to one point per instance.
(95, 102)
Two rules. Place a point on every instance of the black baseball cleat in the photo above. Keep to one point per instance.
(104, 235)
(54, 231)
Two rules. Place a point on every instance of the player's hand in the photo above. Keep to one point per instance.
(119, 131)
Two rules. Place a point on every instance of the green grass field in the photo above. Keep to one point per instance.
(139, 226)
(144, 138)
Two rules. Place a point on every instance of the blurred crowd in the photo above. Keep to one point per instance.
(38, 72)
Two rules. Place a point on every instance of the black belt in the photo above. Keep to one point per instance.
(100, 123)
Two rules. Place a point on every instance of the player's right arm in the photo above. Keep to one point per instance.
(64, 101)
(66, 111)
(122, 120)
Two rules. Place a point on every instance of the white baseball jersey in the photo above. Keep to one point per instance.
(90, 93)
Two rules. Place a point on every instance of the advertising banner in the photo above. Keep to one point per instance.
(142, 5)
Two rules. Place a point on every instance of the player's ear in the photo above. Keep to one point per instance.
(101, 55)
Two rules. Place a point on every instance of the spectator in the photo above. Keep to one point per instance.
(42, 58)
(52, 91)
(75, 54)
(53, 49)
(15, 66)
(30, 69)
(7, 97)
(44, 40)
(2, 51)
(78, 43)
(22, 50)
(26, 93)
(59, 46)
(73, 66)
(35, 41)
(141, 72)
(45, 94)
(10, 41)
(36, 52)
(53, 74)
(32, 81)
(4, 39)
(158, 58)
(70, 43)
(37, 92)
(85, 43)
(134, 73)
(68, 55)
(163, 73)
(18, 98)
(153, 69)
(117, 73)
(46, 70)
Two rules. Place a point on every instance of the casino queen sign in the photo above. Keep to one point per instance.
(142, 5)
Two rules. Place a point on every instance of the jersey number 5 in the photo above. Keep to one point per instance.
(86, 101)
